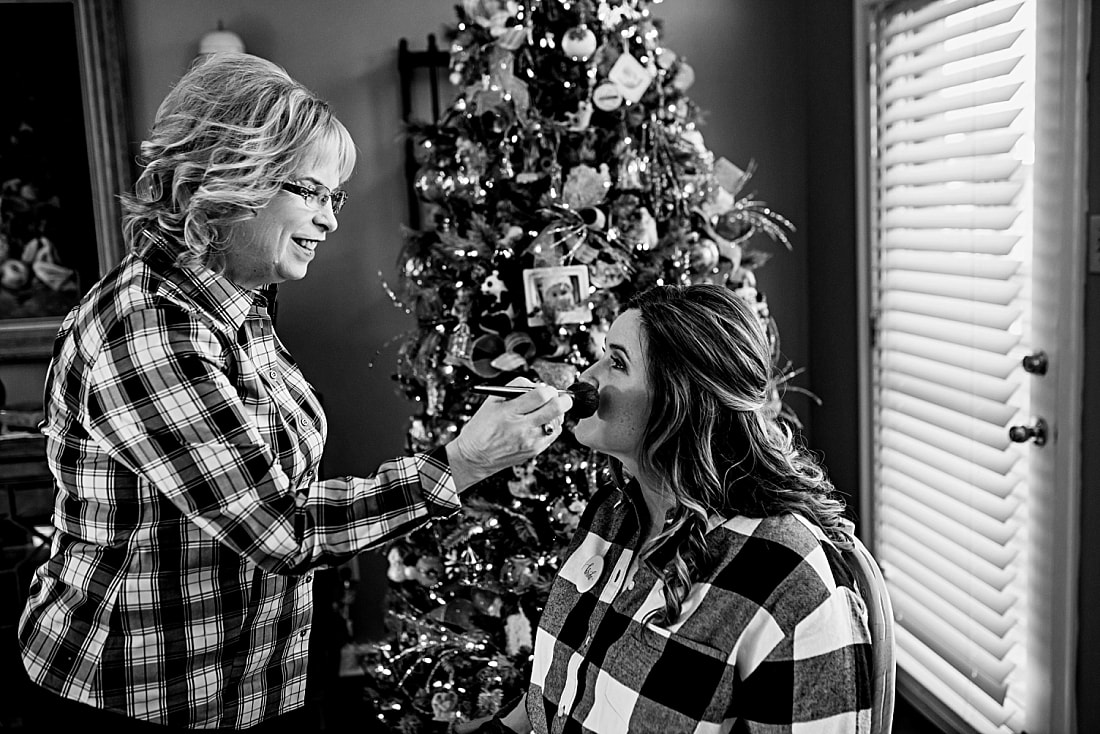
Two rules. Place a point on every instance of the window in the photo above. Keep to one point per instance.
(972, 209)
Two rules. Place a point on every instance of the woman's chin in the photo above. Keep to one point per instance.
(584, 432)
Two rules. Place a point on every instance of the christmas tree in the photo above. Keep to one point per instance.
(568, 173)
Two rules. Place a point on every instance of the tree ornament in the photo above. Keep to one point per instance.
(432, 184)
(586, 186)
(613, 17)
(567, 513)
(607, 96)
(487, 602)
(493, 285)
(684, 77)
(732, 226)
(703, 257)
(579, 120)
(579, 43)
(396, 559)
(423, 149)
(523, 484)
(436, 394)
(444, 706)
(593, 217)
(557, 374)
(597, 339)
(429, 571)
(489, 702)
(518, 573)
(630, 76)
(459, 345)
(630, 171)
(517, 634)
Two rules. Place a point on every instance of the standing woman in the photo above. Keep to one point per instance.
(703, 591)
(184, 441)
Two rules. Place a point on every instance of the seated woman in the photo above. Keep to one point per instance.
(704, 590)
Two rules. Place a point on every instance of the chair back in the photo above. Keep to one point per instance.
(880, 621)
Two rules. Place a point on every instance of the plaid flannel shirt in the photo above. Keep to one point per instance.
(773, 639)
(184, 443)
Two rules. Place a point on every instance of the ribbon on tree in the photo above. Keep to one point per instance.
(490, 354)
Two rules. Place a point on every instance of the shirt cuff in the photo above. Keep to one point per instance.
(440, 492)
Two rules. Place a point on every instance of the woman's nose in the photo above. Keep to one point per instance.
(326, 219)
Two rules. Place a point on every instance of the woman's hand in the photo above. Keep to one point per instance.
(503, 433)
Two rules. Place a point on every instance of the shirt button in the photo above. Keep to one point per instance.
(309, 577)
(303, 634)
(303, 421)
(273, 374)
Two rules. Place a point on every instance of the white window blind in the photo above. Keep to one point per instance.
(952, 131)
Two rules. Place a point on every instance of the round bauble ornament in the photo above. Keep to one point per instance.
(579, 43)
(703, 257)
(684, 78)
(518, 572)
(429, 570)
(433, 184)
(732, 227)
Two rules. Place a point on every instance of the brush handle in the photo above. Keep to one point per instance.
(507, 391)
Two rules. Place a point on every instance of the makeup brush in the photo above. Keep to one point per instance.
(585, 397)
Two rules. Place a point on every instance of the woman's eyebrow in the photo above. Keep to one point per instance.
(619, 347)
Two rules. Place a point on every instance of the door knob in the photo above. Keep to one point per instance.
(1036, 432)
(1036, 363)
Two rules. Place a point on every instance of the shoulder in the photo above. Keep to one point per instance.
(789, 533)
(133, 299)
(778, 562)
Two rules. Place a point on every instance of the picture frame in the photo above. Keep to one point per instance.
(557, 295)
(76, 137)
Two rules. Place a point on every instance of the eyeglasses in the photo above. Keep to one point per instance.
(318, 197)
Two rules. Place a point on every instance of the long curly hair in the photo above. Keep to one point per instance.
(710, 442)
(230, 132)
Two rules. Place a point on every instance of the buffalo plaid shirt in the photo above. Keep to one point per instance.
(773, 639)
(184, 443)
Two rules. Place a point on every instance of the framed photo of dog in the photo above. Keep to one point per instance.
(557, 295)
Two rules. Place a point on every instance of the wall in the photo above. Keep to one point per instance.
(1088, 646)
(339, 321)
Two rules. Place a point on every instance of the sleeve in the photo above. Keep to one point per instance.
(816, 677)
(160, 401)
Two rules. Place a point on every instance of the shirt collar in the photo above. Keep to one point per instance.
(225, 301)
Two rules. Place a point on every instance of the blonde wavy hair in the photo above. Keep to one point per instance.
(230, 132)
(710, 441)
